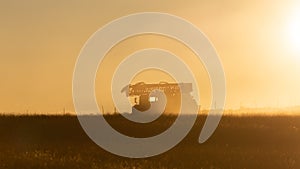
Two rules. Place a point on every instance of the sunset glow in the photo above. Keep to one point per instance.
(258, 43)
(293, 32)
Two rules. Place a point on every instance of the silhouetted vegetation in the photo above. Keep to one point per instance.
(271, 142)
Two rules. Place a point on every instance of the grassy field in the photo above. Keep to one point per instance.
(254, 142)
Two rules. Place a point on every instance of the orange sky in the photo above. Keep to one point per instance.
(256, 41)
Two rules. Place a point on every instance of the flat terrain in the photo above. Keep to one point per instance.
(250, 142)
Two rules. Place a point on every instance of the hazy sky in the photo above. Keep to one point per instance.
(257, 41)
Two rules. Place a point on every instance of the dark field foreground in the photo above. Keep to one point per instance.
(238, 143)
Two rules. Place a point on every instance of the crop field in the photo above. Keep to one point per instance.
(240, 142)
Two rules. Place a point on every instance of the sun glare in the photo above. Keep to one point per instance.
(293, 32)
